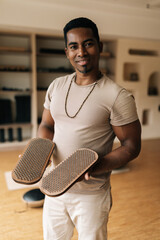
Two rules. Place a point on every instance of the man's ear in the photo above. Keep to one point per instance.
(100, 47)
(66, 52)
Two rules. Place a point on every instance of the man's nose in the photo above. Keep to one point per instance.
(81, 51)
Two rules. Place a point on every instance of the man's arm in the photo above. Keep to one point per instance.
(130, 138)
(46, 127)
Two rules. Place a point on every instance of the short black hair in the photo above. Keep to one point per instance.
(78, 23)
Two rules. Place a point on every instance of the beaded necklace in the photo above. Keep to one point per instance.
(82, 102)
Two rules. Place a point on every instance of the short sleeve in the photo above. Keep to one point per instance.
(48, 96)
(124, 109)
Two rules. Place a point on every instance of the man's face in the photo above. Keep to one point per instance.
(83, 50)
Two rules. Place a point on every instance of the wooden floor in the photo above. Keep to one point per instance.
(135, 214)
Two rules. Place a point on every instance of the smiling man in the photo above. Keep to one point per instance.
(87, 109)
(83, 50)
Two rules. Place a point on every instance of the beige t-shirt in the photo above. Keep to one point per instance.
(108, 104)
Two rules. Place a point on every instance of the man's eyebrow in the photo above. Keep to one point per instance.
(87, 40)
(72, 43)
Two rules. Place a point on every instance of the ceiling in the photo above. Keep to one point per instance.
(153, 4)
(140, 4)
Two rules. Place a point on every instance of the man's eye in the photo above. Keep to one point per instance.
(73, 47)
(88, 44)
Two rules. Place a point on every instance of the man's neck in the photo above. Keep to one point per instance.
(86, 79)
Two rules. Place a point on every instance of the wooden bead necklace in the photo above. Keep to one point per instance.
(82, 102)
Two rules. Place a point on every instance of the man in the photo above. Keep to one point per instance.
(86, 109)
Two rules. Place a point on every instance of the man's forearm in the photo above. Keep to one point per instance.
(115, 159)
(130, 138)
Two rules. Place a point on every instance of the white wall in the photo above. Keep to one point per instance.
(51, 16)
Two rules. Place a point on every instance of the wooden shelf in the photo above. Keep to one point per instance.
(45, 70)
(15, 52)
(14, 49)
(50, 55)
(15, 71)
(106, 55)
(15, 92)
(13, 145)
(15, 125)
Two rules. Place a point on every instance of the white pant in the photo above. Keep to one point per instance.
(88, 213)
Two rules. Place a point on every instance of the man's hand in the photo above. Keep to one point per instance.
(85, 176)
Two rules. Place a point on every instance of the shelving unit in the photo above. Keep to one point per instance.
(15, 82)
(51, 63)
(138, 70)
(108, 58)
